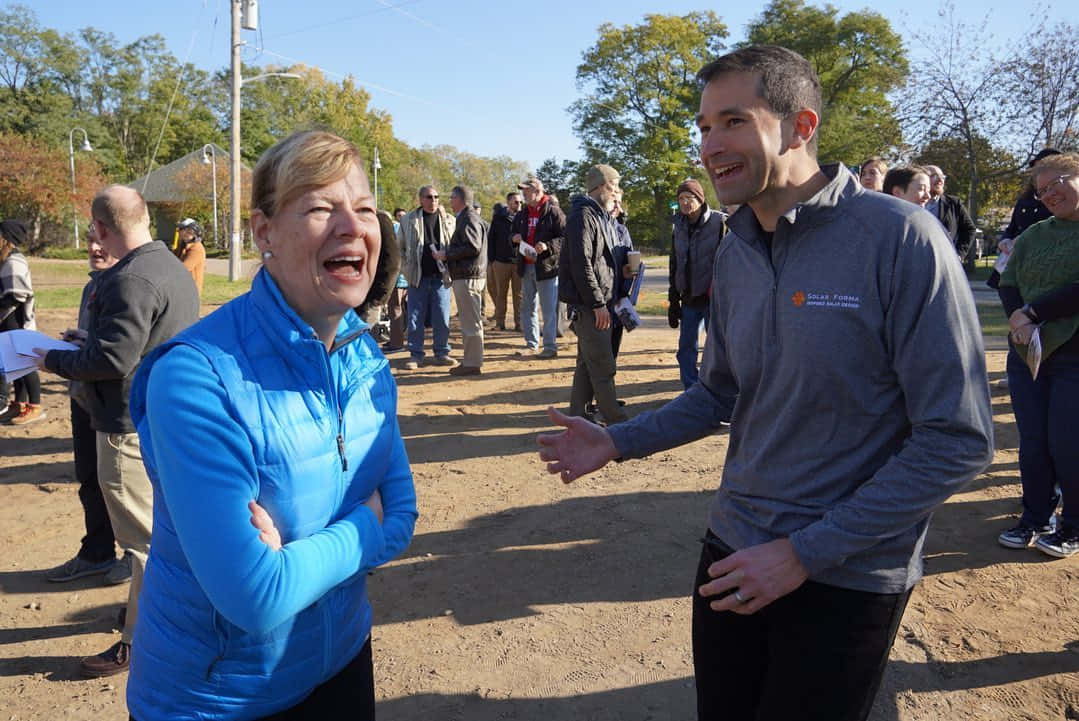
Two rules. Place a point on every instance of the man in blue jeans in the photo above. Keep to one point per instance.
(694, 240)
(538, 232)
(845, 351)
(427, 228)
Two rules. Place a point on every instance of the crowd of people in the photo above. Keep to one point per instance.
(249, 533)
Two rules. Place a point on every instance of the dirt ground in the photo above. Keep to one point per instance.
(521, 598)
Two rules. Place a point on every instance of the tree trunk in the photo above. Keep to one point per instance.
(661, 220)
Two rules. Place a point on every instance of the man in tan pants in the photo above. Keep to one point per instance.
(466, 257)
(142, 301)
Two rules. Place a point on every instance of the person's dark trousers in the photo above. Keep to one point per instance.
(816, 654)
(98, 544)
(594, 374)
(27, 388)
(1045, 414)
(348, 695)
(616, 339)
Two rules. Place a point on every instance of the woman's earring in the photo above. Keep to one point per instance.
(266, 255)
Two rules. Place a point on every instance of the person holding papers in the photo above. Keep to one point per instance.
(17, 311)
(1040, 292)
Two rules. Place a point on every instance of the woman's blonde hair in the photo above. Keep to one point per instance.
(301, 162)
(1064, 163)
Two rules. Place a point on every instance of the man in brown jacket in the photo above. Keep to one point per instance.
(190, 250)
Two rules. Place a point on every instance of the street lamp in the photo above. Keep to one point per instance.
(71, 156)
(209, 157)
(235, 243)
(377, 166)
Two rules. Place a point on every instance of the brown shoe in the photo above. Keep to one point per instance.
(107, 663)
(465, 371)
(30, 412)
(12, 411)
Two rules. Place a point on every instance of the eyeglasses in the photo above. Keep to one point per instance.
(429, 197)
(1040, 193)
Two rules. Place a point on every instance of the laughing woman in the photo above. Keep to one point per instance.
(1040, 290)
(288, 481)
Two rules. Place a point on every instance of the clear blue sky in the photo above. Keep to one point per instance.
(492, 78)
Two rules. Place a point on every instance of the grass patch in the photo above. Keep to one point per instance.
(991, 317)
(59, 284)
(64, 252)
(217, 289)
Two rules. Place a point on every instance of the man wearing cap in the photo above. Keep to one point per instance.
(694, 240)
(586, 282)
(190, 250)
(538, 231)
(951, 213)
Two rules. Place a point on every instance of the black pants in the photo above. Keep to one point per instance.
(98, 544)
(348, 695)
(817, 653)
(27, 388)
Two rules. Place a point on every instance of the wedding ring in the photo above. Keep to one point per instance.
(738, 596)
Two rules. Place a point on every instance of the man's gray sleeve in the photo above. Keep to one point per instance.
(694, 414)
(935, 343)
(126, 312)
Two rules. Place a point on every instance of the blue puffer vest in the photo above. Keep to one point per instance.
(323, 434)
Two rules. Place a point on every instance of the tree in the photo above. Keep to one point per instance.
(640, 99)
(564, 180)
(1042, 81)
(967, 93)
(1000, 184)
(859, 60)
(35, 183)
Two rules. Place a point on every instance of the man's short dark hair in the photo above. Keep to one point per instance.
(900, 177)
(513, 193)
(464, 193)
(788, 82)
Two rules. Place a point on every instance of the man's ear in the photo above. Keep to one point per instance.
(897, 192)
(805, 125)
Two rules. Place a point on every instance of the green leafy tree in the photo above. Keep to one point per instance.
(640, 98)
(35, 185)
(564, 179)
(859, 60)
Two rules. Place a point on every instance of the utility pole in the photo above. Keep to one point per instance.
(235, 237)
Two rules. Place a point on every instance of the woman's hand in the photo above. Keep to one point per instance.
(268, 532)
(375, 504)
(1017, 320)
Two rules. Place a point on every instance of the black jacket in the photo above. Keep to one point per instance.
(587, 268)
(550, 230)
(139, 303)
(466, 255)
(499, 246)
(956, 220)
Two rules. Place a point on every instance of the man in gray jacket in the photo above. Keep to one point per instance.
(694, 241)
(845, 351)
(139, 303)
(586, 278)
